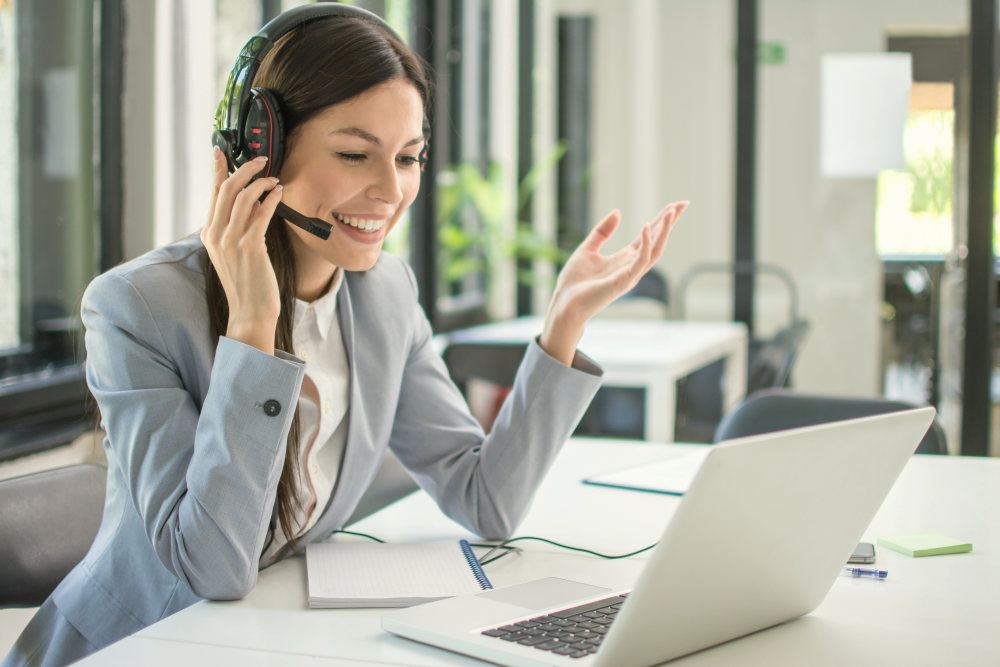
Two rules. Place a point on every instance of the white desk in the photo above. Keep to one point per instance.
(651, 354)
(941, 610)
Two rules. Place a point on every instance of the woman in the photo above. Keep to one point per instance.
(251, 378)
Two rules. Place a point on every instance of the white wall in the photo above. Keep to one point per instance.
(170, 97)
(821, 230)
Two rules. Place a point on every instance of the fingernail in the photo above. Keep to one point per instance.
(216, 152)
(260, 158)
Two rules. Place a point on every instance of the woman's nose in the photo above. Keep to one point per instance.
(386, 186)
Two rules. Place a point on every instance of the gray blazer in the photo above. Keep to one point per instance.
(196, 432)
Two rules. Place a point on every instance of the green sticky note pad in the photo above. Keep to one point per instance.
(925, 543)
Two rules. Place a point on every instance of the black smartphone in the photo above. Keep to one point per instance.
(863, 553)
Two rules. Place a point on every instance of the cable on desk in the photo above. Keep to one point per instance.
(505, 545)
(507, 549)
(351, 532)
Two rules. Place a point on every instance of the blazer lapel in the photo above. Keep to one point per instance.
(360, 460)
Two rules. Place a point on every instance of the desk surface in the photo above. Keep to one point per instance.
(930, 611)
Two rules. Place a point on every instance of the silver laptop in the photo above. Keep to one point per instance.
(759, 538)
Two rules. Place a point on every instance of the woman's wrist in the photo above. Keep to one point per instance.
(252, 334)
(561, 335)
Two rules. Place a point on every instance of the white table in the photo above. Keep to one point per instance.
(650, 354)
(930, 611)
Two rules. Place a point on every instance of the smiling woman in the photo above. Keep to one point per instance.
(252, 378)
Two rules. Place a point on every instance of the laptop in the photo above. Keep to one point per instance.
(758, 539)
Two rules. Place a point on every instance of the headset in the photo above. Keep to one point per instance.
(248, 121)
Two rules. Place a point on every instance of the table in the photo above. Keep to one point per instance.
(651, 354)
(931, 611)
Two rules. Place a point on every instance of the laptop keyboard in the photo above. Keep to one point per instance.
(574, 632)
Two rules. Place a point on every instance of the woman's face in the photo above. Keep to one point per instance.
(355, 165)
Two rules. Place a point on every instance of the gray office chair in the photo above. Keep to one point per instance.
(769, 360)
(47, 522)
(652, 285)
(769, 366)
(493, 362)
(390, 484)
(782, 409)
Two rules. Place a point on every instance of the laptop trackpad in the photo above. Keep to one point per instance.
(543, 593)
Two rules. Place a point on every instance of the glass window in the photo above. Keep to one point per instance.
(49, 226)
(914, 214)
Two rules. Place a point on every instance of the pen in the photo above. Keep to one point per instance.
(862, 572)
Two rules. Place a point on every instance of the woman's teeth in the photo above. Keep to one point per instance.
(361, 223)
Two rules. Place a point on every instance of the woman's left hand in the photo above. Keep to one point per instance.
(590, 281)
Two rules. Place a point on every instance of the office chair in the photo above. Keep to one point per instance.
(391, 482)
(781, 409)
(493, 362)
(47, 524)
(769, 366)
(649, 299)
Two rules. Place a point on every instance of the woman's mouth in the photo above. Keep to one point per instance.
(363, 224)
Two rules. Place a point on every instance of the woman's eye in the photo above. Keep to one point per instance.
(353, 158)
(408, 160)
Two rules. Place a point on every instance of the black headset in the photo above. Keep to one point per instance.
(248, 120)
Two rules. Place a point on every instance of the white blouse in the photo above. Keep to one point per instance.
(323, 403)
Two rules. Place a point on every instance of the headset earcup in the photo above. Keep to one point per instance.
(264, 131)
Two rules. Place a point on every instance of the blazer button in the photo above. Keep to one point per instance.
(272, 408)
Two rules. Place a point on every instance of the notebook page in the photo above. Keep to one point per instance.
(375, 571)
(671, 476)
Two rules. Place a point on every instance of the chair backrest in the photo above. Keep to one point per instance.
(48, 520)
(778, 409)
(769, 366)
(741, 268)
(771, 359)
(649, 299)
(493, 362)
(391, 483)
(652, 285)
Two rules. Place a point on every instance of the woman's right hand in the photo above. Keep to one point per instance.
(234, 238)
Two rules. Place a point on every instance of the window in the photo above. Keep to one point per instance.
(914, 214)
(49, 199)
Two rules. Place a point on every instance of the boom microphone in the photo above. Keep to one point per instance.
(320, 228)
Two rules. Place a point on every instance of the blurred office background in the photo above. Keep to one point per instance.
(548, 114)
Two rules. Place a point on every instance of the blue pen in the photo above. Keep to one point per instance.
(862, 572)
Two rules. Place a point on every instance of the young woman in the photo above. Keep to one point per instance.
(250, 379)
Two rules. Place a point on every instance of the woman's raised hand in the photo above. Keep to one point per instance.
(590, 281)
(234, 238)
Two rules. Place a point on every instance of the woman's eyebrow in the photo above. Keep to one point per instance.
(368, 136)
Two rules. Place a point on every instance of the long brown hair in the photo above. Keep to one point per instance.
(321, 63)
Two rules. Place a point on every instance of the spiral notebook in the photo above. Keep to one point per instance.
(390, 575)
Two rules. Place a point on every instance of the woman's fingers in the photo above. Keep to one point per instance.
(243, 206)
(220, 172)
(667, 221)
(602, 231)
(261, 216)
(230, 189)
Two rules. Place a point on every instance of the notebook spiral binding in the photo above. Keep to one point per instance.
(477, 569)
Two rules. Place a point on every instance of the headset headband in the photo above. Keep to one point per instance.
(230, 116)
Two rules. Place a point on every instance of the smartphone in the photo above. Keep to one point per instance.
(863, 553)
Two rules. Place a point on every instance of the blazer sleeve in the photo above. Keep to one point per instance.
(203, 478)
(486, 482)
